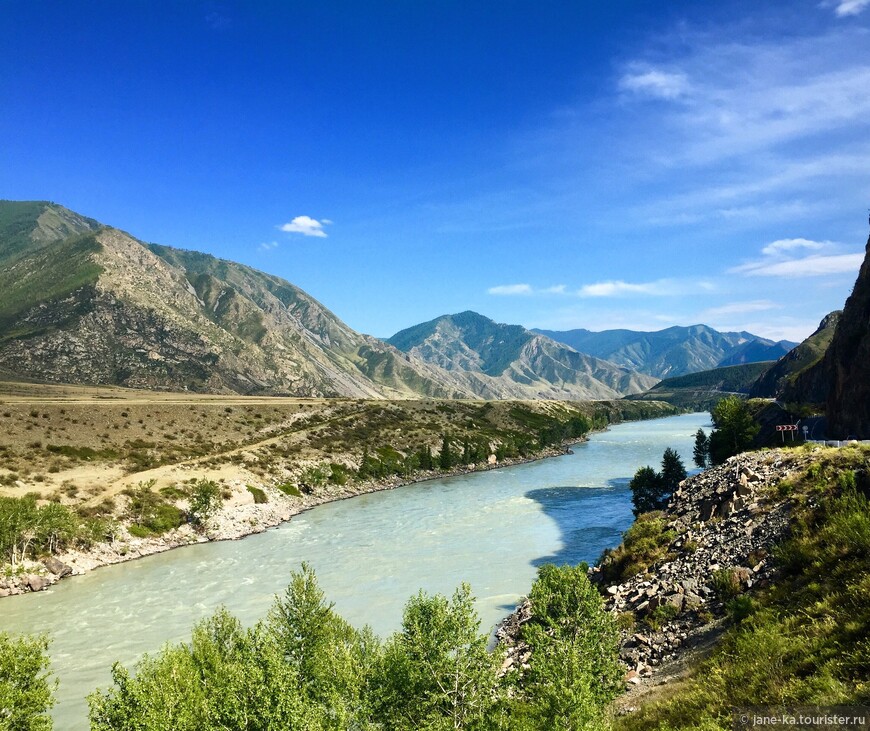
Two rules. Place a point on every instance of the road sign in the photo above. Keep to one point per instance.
(786, 427)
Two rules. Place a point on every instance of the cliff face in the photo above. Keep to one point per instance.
(847, 363)
(799, 376)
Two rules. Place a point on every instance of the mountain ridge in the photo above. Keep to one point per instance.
(673, 351)
(532, 364)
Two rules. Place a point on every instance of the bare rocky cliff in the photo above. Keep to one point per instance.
(847, 363)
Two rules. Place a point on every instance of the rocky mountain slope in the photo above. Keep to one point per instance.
(847, 363)
(85, 303)
(674, 351)
(795, 376)
(508, 361)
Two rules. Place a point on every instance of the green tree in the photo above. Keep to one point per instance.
(701, 450)
(26, 687)
(329, 657)
(446, 459)
(426, 460)
(226, 678)
(673, 471)
(436, 673)
(205, 501)
(734, 429)
(574, 669)
(648, 490)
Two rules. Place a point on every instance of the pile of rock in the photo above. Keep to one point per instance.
(726, 521)
(34, 577)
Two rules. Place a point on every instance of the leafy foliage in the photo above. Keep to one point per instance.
(205, 501)
(28, 529)
(734, 429)
(436, 672)
(304, 667)
(574, 671)
(26, 688)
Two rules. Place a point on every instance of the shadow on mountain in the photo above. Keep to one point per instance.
(590, 519)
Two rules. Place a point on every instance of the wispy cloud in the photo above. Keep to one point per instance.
(267, 246)
(844, 8)
(741, 308)
(658, 288)
(779, 259)
(655, 83)
(306, 226)
(511, 289)
(810, 266)
(782, 246)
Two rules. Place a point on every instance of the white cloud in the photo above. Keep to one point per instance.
(555, 289)
(306, 226)
(780, 259)
(617, 288)
(655, 83)
(740, 308)
(511, 289)
(267, 246)
(845, 8)
(783, 245)
(810, 266)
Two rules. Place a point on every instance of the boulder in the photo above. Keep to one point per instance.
(58, 568)
(35, 582)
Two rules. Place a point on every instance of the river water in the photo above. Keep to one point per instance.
(491, 529)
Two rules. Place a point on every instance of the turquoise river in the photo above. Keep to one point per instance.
(491, 529)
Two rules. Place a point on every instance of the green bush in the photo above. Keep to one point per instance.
(259, 495)
(288, 488)
(643, 544)
(149, 514)
(726, 584)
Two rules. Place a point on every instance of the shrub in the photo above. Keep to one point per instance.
(259, 495)
(288, 488)
(644, 543)
(26, 688)
(726, 584)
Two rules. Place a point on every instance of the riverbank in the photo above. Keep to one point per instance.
(270, 460)
(240, 516)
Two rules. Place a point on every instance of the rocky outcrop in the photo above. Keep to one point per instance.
(724, 523)
(847, 364)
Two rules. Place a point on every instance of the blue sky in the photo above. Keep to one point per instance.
(552, 164)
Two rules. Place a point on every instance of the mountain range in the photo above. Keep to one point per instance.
(493, 357)
(81, 302)
(674, 351)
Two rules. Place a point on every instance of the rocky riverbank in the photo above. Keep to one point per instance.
(239, 517)
(722, 526)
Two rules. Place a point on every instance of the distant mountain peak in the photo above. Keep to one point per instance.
(500, 360)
